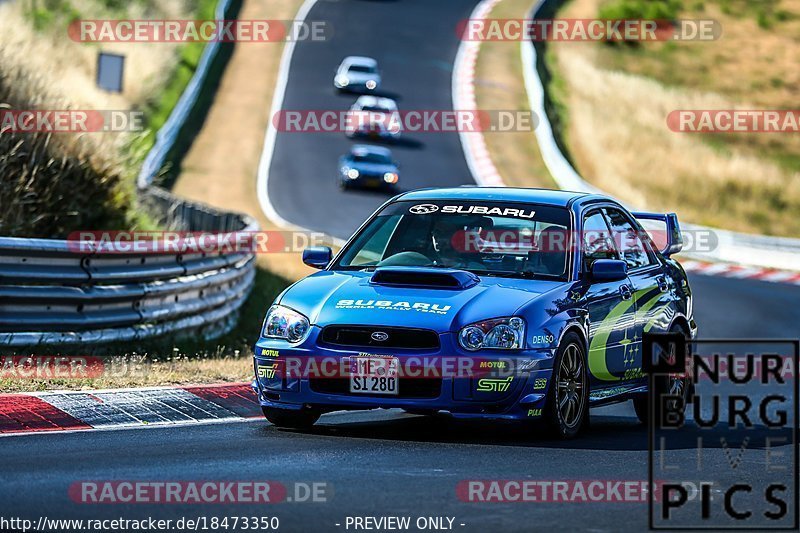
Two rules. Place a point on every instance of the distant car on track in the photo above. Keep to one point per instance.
(545, 294)
(374, 117)
(357, 74)
(369, 167)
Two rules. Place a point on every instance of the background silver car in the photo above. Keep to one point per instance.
(357, 74)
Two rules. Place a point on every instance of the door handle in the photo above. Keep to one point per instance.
(663, 286)
(625, 291)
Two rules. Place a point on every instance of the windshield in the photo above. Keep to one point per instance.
(375, 109)
(487, 238)
(361, 68)
(370, 158)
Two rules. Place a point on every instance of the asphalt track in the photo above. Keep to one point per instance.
(380, 462)
(415, 43)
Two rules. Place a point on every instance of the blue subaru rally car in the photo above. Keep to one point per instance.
(504, 303)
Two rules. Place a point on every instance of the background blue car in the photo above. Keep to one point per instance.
(369, 167)
(478, 302)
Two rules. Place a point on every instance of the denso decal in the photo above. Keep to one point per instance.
(422, 307)
(484, 210)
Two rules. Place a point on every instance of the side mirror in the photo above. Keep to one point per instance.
(664, 231)
(609, 270)
(317, 256)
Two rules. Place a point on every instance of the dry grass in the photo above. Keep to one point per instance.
(618, 98)
(61, 75)
(138, 371)
(61, 182)
(68, 67)
(499, 85)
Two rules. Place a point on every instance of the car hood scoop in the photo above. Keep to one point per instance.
(432, 278)
(354, 298)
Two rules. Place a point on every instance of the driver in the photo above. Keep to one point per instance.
(450, 231)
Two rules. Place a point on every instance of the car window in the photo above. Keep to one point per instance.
(361, 68)
(376, 241)
(627, 239)
(371, 158)
(596, 240)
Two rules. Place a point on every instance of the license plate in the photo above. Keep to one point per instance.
(373, 375)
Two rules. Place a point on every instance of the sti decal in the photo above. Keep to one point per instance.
(494, 385)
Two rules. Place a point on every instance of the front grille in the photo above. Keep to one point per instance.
(420, 339)
(407, 387)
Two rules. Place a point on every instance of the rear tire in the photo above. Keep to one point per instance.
(286, 418)
(674, 384)
(567, 406)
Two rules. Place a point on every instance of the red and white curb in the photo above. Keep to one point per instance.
(125, 408)
(728, 270)
(473, 143)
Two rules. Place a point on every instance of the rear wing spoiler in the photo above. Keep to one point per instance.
(664, 231)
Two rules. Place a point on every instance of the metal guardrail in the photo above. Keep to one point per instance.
(54, 292)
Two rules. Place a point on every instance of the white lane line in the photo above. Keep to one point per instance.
(262, 181)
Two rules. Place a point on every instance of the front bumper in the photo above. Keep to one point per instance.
(367, 182)
(356, 87)
(311, 375)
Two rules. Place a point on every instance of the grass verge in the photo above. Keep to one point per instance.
(161, 362)
(235, 124)
(499, 85)
(614, 100)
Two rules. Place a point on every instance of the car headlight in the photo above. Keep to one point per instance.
(495, 334)
(344, 81)
(371, 84)
(285, 323)
(352, 173)
(390, 177)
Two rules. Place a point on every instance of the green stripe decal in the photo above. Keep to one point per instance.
(598, 346)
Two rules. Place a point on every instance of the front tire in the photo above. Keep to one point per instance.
(567, 406)
(286, 418)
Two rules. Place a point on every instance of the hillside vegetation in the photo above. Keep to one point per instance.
(614, 100)
(54, 183)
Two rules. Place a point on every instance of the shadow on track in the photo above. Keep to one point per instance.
(613, 433)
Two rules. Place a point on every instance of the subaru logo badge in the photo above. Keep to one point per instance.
(423, 209)
(379, 336)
